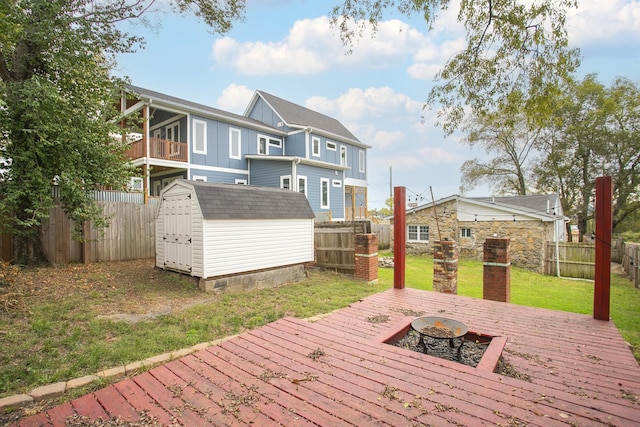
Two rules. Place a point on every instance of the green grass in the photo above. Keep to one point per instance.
(64, 339)
(536, 290)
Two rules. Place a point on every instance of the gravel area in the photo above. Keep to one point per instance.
(470, 352)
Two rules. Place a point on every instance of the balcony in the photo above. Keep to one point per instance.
(159, 149)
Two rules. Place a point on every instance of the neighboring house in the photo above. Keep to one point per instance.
(528, 221)
(275, 144)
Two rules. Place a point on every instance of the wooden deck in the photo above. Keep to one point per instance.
(335, 371)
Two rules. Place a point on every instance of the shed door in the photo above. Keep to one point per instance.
(177, 237)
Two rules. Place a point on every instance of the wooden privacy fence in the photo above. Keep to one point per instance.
(579, 259)
(334, 244)
(384, 235)
(575, 259)
(630, 260)
(130, 235)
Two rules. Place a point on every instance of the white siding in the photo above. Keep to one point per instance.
(235, 246)
(469, 212)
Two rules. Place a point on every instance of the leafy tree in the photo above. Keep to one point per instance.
(507, 135)
(596, 132)
(57, 115)
(510, 47)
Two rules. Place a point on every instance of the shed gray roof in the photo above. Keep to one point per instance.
(294, 114)
(234, 201)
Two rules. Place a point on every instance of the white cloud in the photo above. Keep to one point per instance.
(596, 21)
(235, 98)
(313, 46)
(371, 103)
(383, 140)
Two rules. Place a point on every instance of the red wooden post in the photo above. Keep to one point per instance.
(399, 235)
(604, 221)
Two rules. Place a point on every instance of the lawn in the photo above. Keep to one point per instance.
(76, 320)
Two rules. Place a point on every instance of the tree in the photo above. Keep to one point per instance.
(510, 47)
(596, 132)
(507, 135)
(57, 115)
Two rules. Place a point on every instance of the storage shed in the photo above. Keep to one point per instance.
(214, 231)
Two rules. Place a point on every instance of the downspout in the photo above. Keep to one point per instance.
(147, 151)
(294, 174)
(557, 237)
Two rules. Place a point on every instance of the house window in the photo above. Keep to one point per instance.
(285, 182)
(262, 145)
(275, 142)
(173, 132)
(343, 155)
(199, 136)
(234, 143)
(302, 185)
(361, 161)
(465, 232)
(324, 193)
(315, 146)
(418, 233)
(331, 146)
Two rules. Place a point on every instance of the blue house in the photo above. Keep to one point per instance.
(276, 143)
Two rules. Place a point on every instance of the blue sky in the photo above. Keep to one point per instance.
(287, 48)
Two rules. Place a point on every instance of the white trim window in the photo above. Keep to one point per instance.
(263, 146)
(343, 155)
(315, 146)
(275, 142)
(361, 161)
(324, 193)
(331, 146)
(302, 184)
(285, 182)
(172, 132)
(234, 143)
(417, 233)
(199, 136)
(465, 232)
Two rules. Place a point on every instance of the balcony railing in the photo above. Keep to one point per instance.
(159, 149)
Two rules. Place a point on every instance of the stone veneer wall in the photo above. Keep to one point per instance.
(527, 238)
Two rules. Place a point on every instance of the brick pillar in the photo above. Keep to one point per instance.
(496, 277)
(445, 267)
(367, 257)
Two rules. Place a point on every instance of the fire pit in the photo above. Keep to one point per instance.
(440, 328)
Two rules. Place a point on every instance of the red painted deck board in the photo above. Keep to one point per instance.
(582, 373)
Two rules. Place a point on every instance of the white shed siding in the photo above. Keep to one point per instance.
(234, 246)
(197, 244)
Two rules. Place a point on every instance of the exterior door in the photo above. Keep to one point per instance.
(177, 232)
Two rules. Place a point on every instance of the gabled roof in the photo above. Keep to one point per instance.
(205, 110)
(235, 201)
(294, 115)
(533, 205)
